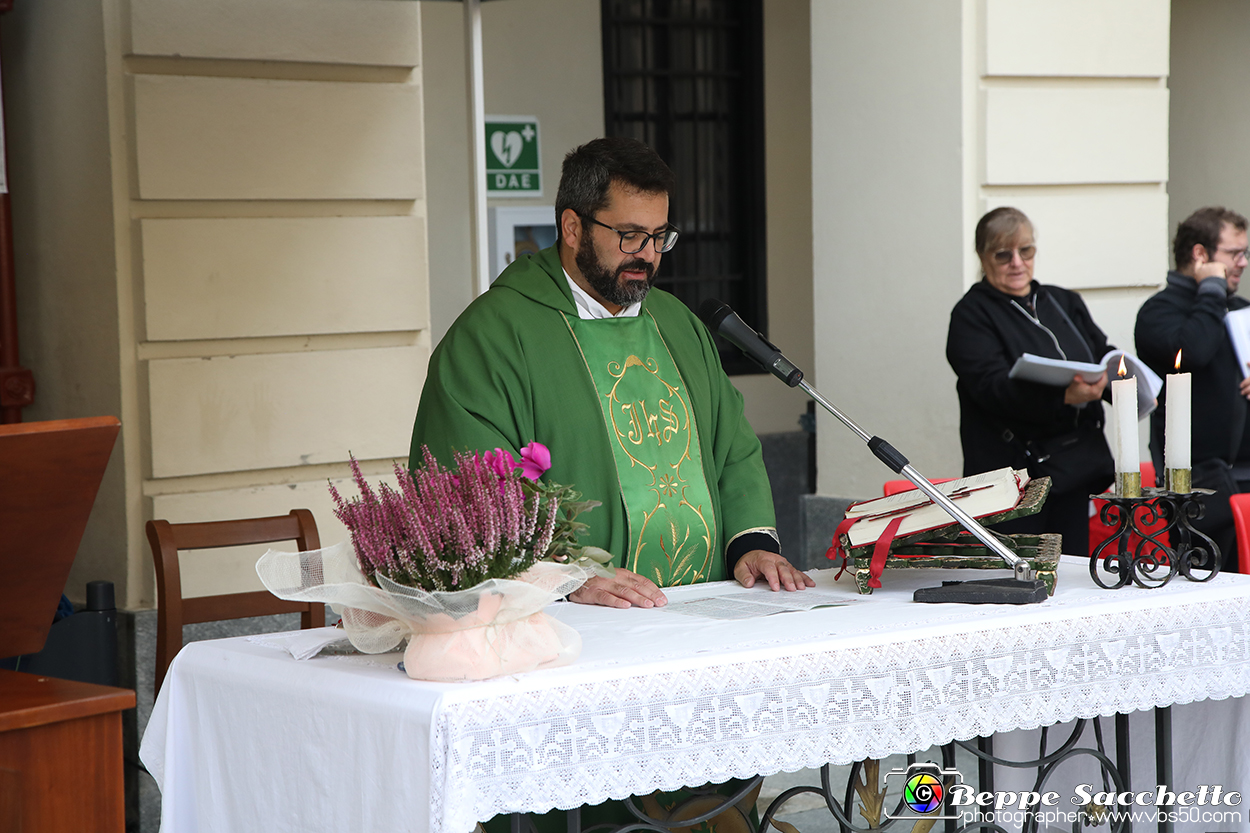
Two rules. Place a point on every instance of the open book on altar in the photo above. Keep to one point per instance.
(994, 494)
(1060, 373)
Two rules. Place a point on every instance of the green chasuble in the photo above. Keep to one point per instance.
(510, 371)
(655, 444)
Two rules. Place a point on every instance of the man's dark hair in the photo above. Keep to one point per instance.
(589, 170)
(1203, 228)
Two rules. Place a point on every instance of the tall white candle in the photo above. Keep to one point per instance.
(1124, 404)
(1177, 422)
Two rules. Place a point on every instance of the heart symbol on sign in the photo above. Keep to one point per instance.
(506, 147)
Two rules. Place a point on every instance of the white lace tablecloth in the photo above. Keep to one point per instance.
(243, 737)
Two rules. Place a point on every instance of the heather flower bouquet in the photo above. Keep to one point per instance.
(460, 562)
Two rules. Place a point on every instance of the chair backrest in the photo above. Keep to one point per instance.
(173, 611)
(1240, 504)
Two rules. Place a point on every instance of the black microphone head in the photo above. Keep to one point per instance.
(712, 312)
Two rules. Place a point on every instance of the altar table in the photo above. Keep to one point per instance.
(243, 737)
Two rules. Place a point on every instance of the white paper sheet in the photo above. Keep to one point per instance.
(750, 604)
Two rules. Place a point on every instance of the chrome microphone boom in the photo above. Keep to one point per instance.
(720, 318)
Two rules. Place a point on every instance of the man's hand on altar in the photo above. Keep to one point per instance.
(625, 589)
(773, 568)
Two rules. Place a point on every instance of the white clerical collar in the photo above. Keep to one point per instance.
(588, 309)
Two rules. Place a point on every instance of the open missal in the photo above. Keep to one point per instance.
(1060, 373)
(980, 495)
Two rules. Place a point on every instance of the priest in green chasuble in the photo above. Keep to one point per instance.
(573, 348)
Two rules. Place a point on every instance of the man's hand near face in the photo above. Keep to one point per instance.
(1204, 268)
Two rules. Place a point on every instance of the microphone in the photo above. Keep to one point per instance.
(720, 318)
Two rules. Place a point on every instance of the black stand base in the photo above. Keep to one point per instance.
(990, 591)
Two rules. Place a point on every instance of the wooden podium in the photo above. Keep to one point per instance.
(61, 754)
(60, 741)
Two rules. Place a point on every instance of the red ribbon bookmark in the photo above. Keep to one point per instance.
(879, 551)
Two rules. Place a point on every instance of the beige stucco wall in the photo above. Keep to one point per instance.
(939, 111)
(770, 406)
(222, 208)
(1209, 159)
(887, 193)
(540, 58)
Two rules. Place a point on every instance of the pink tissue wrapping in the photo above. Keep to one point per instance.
(497, 627)
(490, 650)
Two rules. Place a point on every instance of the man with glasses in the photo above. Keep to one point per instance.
(1187, 316)
(573, 348)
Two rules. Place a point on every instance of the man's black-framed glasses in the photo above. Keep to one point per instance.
(633, 242)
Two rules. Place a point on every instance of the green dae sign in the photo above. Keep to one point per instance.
(512, 160)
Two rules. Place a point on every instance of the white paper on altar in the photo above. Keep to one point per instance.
(303, 644)
(752, 604)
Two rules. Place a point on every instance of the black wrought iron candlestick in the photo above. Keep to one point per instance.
(1148, 562)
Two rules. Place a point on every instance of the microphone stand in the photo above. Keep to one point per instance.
(1024, 588)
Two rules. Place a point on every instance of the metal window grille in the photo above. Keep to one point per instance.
(686, 77)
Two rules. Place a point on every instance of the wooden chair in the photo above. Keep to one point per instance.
(173, 611)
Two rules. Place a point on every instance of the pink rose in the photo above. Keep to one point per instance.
(535, 459)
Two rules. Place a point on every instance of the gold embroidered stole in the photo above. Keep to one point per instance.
(655, 443)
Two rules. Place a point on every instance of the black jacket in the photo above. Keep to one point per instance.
(998, 416)
(1180, 317)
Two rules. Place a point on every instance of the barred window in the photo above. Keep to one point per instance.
(686, 77)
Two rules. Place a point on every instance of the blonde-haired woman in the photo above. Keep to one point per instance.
(1052, 431)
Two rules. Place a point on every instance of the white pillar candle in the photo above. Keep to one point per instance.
(1127, 458)
(1177, 422)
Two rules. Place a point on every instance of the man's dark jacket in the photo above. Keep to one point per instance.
(1189, 316)
(999, 416)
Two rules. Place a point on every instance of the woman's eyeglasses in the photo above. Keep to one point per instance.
(1004, 256)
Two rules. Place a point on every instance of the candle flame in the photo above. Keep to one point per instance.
(1122, 371)
(1178, 360)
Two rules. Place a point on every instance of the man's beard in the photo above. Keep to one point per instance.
(607, 282)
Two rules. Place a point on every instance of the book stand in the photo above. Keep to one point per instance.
(950, 547)
(1041, 552)
(1148, 562)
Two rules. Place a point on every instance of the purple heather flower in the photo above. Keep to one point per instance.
(443, 529)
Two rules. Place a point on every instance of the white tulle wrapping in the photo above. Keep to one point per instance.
(494, 628)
